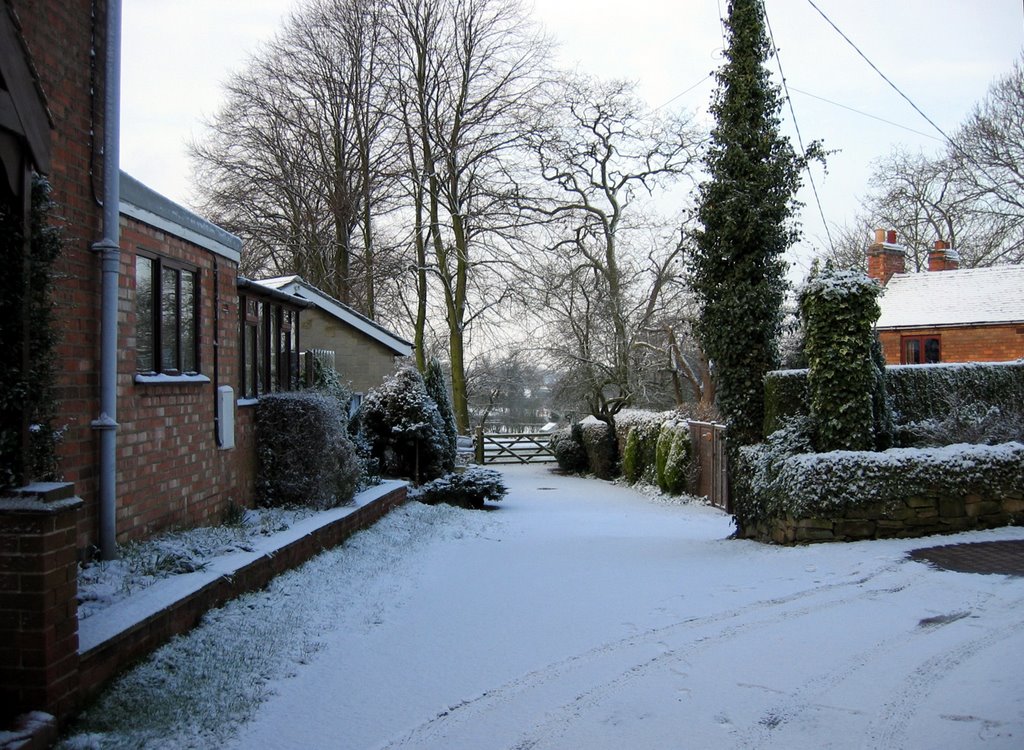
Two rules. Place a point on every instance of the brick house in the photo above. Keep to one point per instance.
(364, 351)
(946, 314)
(158, 337)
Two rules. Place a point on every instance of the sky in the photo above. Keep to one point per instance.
(941, 54)
(581, 614)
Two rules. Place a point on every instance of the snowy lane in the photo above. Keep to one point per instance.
(581, 614)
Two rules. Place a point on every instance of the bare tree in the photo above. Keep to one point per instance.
(612, 271)
(970, 195)
(464, 71)
(295, 162)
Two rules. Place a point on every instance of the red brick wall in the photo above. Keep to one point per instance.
(59, 35)
(967, 344)
(170, 469)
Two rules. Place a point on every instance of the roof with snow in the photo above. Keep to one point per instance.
(971, 296)
(296, 286)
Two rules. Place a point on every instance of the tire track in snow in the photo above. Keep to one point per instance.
(556, 720)
(888, 730)
(800, 701)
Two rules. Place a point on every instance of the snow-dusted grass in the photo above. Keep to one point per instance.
(194, 691)
(141, 564)
(581, 613)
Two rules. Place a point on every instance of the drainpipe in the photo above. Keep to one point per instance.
(110, 257)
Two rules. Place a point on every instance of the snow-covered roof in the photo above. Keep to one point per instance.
(148, 206)
(972, 296)
(296, 286)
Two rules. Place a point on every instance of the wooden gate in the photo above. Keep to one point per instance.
(513, 448)
(708, 441)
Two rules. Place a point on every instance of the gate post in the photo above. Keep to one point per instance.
(38, 608)
(478, 445)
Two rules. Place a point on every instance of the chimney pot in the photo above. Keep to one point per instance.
(885, 257)
(941, 245)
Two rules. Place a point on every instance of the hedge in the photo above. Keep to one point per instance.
(918, 392)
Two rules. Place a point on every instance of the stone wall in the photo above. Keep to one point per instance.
(924, 514)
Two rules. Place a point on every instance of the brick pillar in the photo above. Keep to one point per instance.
(38, 607)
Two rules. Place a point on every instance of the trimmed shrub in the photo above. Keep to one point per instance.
(922, 392)
(303, 453)
(631, 467)
(679, 468)
(675, 466)
(601, 449)
(437, 389)
(776, 481)
(468, 489)
(639, 449)
(405, 429)
(839, 308)
(567, 445)
(918, 394)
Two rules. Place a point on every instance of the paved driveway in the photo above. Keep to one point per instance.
(581, 614)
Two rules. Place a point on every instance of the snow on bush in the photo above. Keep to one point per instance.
(303, 452)
(405, 428)
(782, 477)
(567, 445)
(468, 489)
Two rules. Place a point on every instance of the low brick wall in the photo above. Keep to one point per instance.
(108, 648)
(932, 512)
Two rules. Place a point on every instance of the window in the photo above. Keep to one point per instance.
(920, 350)
(166, 300)
(269, 360)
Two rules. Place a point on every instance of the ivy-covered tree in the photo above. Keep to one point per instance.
(745, 211)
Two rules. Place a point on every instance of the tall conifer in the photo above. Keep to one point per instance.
(745, 211)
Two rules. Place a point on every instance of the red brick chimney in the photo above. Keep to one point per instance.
(942, 257)
(885, 257)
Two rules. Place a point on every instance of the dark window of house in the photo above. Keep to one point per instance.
(166, 334)
(269, 361)
(921, 350)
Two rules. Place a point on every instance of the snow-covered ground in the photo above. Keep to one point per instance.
(582, 614)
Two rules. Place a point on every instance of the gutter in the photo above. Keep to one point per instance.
(109, 249)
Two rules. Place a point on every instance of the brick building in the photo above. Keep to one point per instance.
(157, 340)
(946, 314)
(364, 351)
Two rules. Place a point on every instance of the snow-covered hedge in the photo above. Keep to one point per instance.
(468, 489)
(303, 453)
(778, 480)
(567, 445)
(588, 446)
(918, 392)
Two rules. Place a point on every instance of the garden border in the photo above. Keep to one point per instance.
(128, 630)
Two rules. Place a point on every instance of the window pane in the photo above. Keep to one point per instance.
(188, 322)
(169, 308)
(931, 351)
(249, 354)
(261, 352)
(274, 344)
(912, 351)
(144, 314)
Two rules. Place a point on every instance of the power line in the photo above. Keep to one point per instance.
(796, 126)
(880, 73)
(864, 114)
(684, 93)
